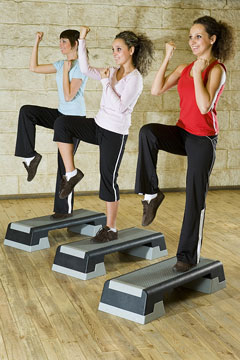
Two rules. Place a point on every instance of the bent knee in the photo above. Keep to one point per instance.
(26, 109)
(60, 122)
(145, 130)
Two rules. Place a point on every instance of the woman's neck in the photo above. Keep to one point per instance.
(124, 70)
(72, 56)
(208, 57)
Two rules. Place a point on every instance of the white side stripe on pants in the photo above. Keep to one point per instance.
(202, 215)
(114, 173)
(200, 232)
(69, 198)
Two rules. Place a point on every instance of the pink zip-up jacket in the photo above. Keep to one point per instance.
(118, 97)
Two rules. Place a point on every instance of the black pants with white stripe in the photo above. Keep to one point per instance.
(29, 117)
(111, 147)
(200, 152)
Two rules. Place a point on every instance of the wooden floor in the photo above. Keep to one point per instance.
(47, 315)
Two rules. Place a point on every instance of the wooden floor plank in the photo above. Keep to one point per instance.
(212, 342)
(186, 343)
(213, 327)
(159, 342)
(3, 352)
(45, 315)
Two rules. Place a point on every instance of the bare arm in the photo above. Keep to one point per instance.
(70, 89)
(34, 66)
(206, 94)
(161, 82)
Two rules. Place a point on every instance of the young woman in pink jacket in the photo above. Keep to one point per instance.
(122, 86)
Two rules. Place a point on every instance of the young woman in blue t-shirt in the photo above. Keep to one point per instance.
(71, 83)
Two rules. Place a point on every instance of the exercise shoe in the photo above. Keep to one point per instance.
(150, 209)
(67, 186)
(182, 267)
(60, 216)
(32, 168)
(104, 235)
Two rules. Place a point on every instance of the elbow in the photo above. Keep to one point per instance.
(68, 97)
(204, 106)
(156, 92)
(204, 110)
(32, 68)
(84, 71)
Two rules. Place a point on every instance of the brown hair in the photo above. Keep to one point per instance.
(223, 48)
(143, 49)
(71, 35)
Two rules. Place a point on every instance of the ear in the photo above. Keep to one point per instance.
(76, 45)
(132, 50)
(213, 39)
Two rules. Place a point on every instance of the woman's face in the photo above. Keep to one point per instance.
(199, 40)
(121, 53)
(65, 46)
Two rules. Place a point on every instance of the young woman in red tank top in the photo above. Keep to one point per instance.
(200, 85)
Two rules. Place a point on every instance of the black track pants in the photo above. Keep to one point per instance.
(111, 147)
(200, 151)
(29, 117)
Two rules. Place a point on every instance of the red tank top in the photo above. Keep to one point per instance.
(191, 118)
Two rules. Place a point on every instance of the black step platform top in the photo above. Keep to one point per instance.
(32, 234)
(138, 295)
(161, 277)
(127, 238)
(45, 222)
(84, 259)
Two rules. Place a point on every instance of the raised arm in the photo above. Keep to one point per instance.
(34, 66)
(85, 68)
(162, 83)
(205, 95)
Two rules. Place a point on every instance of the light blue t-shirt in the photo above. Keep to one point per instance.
(77, 105)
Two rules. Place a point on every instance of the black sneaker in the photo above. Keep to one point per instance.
(32, 168)
(60, 216)
(67, 186)
(182, 267)
(104, 235)
(150, 209)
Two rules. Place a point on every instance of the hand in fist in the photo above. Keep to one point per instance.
(105, 73)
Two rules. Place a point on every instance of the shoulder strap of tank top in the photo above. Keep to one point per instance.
(216, 62)
(187, 68)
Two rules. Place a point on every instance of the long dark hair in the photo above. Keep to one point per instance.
(71, 35)
(223, 48)
(143, 49)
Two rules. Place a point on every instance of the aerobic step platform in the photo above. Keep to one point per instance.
(85, 260)
(32, 234)
(138, 295)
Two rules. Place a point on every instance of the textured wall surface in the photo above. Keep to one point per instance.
(161, 20)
